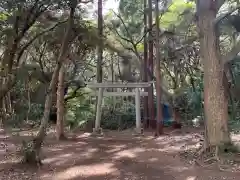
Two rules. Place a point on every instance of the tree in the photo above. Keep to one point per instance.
(32, 148)
(145, 59)
(150, 62)
(99, 63)
(60, 105)
(158, 73)
(215, 95)
(175, 16)
(22, 17)
(100, 45)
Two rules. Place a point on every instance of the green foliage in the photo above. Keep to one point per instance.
(118, 116)
(190, 102)
(21, 114)
(79, 109)
(3, 16)
(115, 114)
(131, 24)
(174, 15)
(21, 105)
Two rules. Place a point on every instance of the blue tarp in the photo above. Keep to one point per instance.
(167, 117)
(166, 113)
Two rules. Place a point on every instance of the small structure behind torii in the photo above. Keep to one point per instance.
(137, 93)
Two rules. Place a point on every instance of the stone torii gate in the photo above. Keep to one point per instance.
(137, 93)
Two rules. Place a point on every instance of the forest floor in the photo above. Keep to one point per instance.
(116, 156)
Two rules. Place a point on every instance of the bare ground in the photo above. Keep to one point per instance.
(116, 156)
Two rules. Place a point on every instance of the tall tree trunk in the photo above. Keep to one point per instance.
(99, 62)
(145, 60)
(100, 46)
(60, 106)
(158, 74)
(28, 88)
(215, 98)
(150, 64)
(32, 149)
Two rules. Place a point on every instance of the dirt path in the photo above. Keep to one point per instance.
(117, 156)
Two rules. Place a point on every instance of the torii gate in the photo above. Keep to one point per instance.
(101, 93)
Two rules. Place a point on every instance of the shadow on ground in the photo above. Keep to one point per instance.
(117, 156)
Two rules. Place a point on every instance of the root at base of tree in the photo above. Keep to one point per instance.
(206, 155)
(222, 155)
(31, 153)
(62, 137)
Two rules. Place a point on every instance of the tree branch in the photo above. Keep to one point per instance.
(30, 21)
(126, 29)
(40, 62)
(169, 73)
(35, 37)
(123, 38)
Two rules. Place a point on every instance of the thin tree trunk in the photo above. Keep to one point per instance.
(150, 65)
(158, 74)
(4, 111)
(32, 148)
(99, 60)
(215, 99)
(113, 79)
(60, 106)
(100, 46)
(145, 76)
(27, 86)
(9, 102)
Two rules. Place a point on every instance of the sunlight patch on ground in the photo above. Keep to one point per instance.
(52, 149)
(46, 176)
(50, 160)
(28, 134)
(130, 153)
(177, 143)
(85, 171)
(89, 153)
(172, 149)
(66, 146)
(81, 143)
(4, 137)
(177, 168)
(167, 140)
(57, 158)
(148, 137)
(70, 157)
(84, 135)
(92, 150)
(9, 161)
(191, 178)
(194, 146)
(153, 159)
(116, 148)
